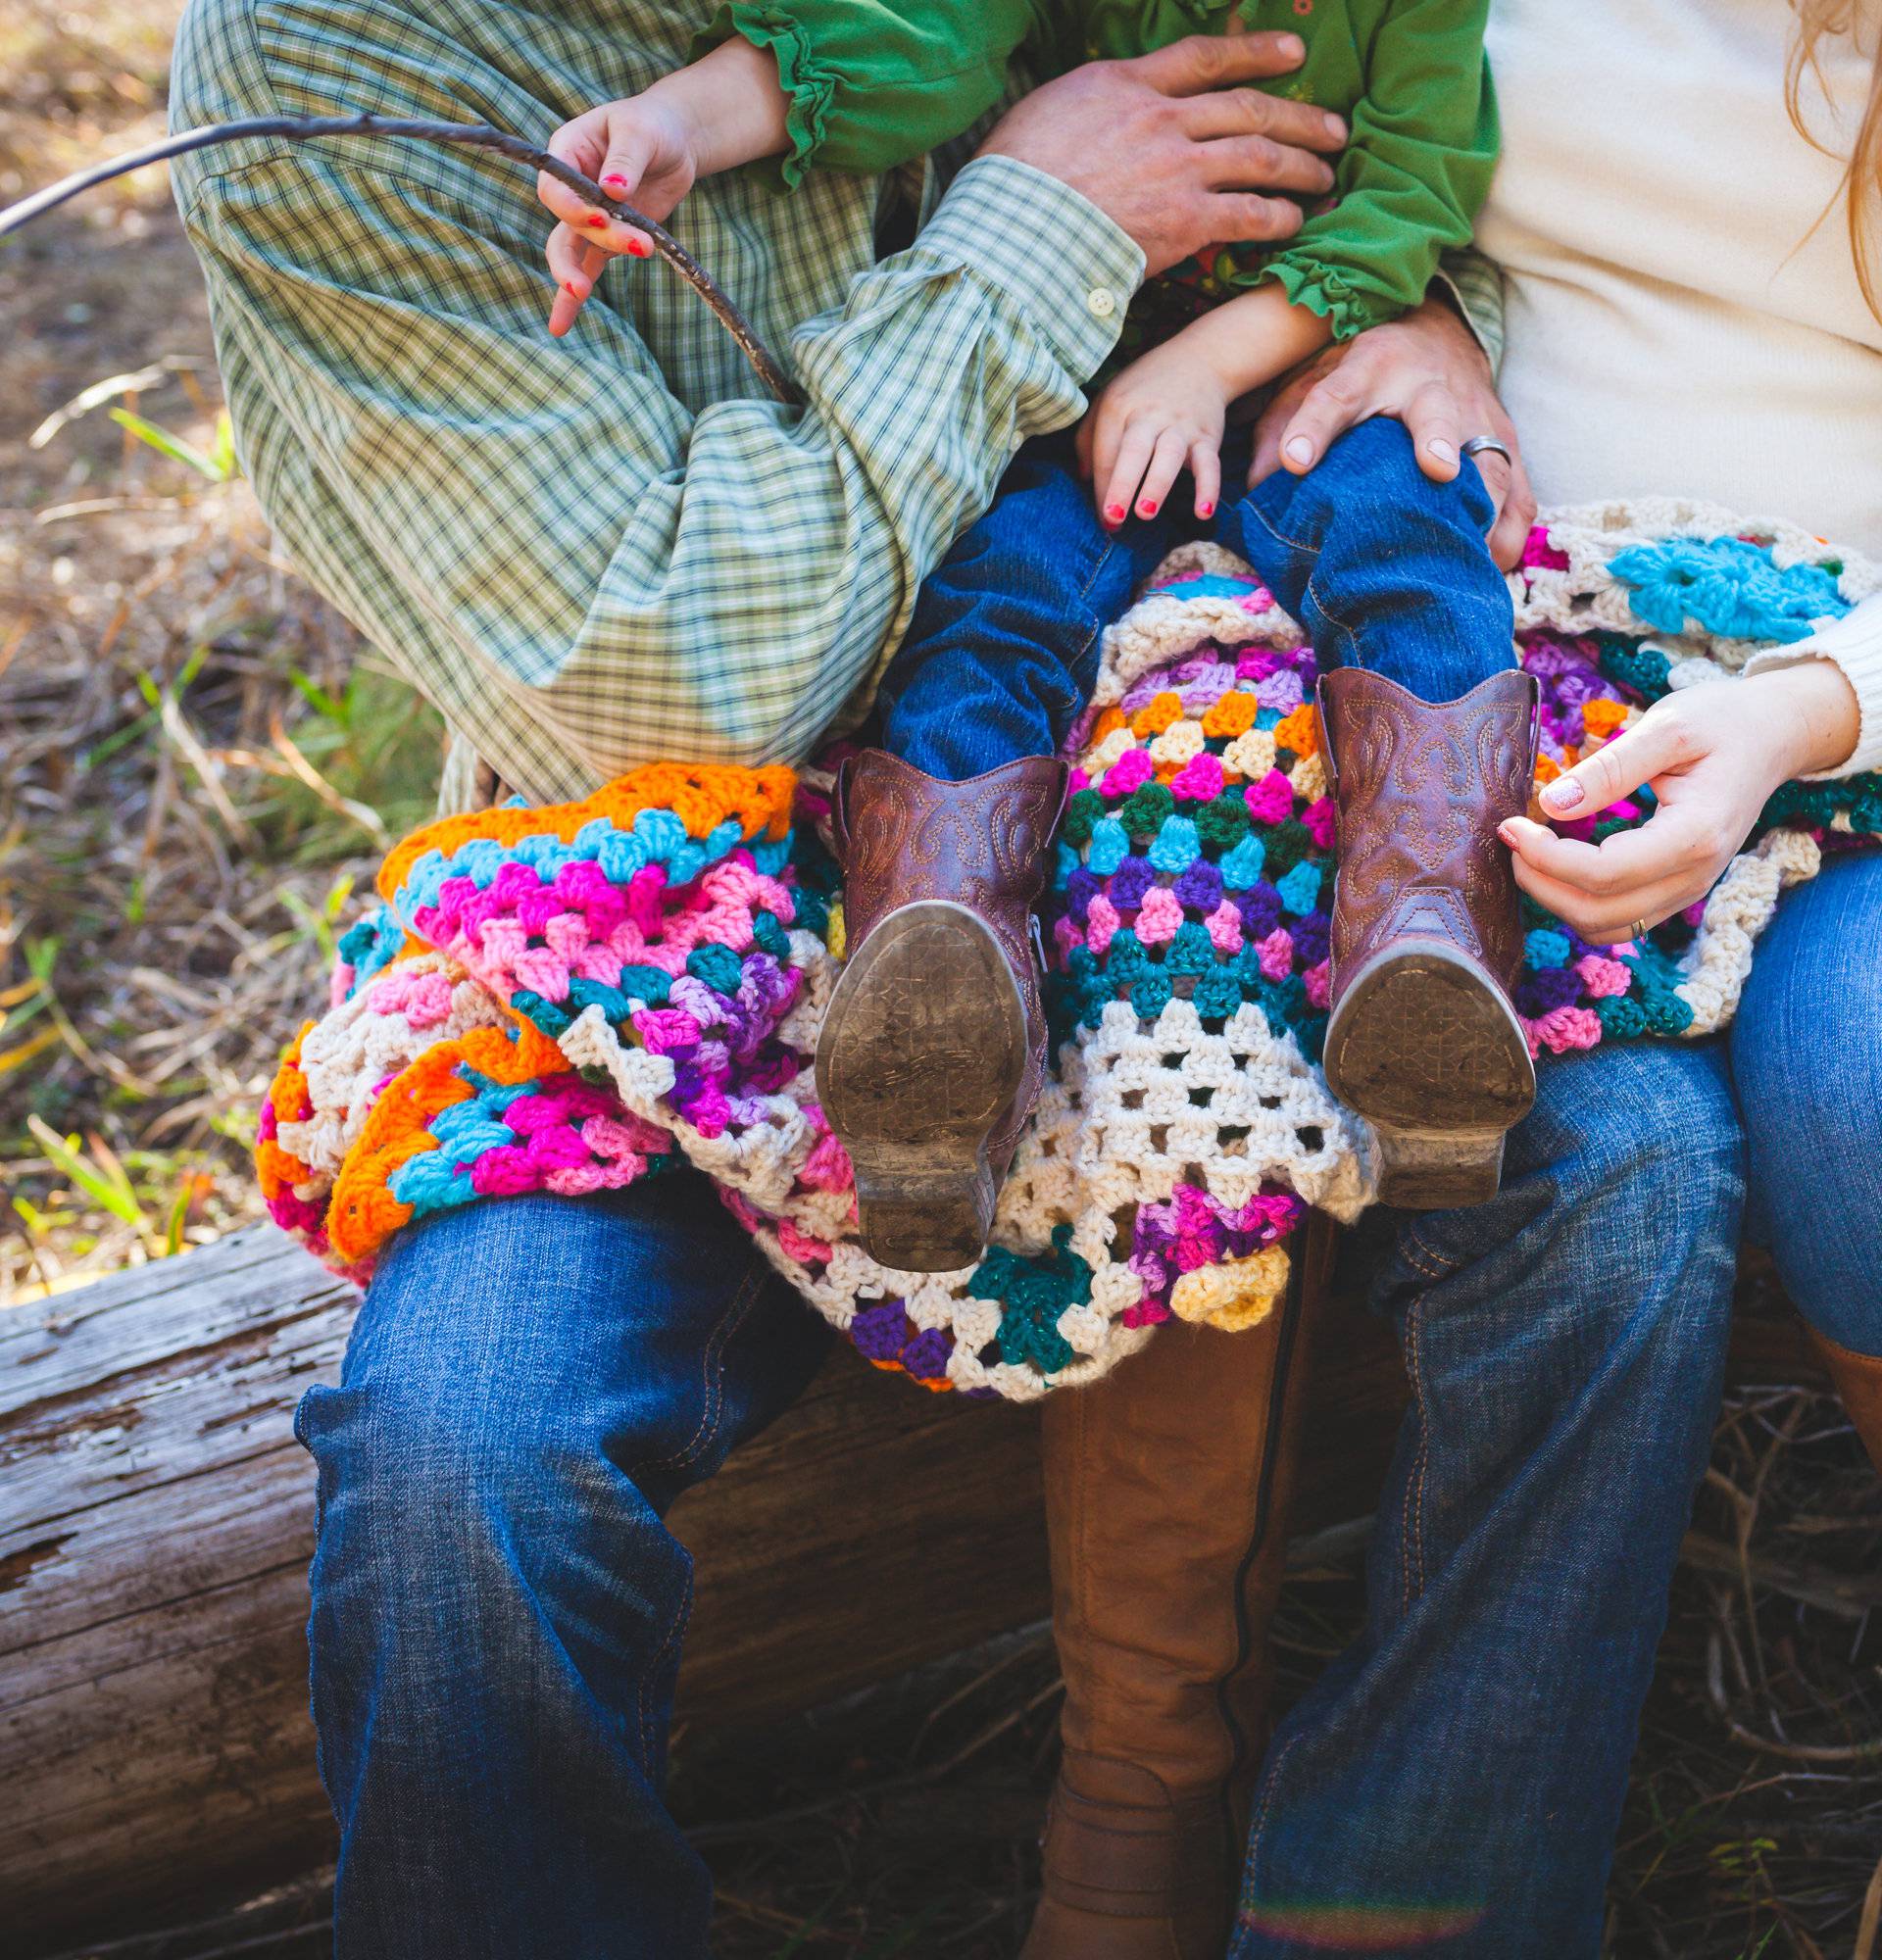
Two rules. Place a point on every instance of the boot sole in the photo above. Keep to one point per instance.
(1433, 1055)
(924, 1049)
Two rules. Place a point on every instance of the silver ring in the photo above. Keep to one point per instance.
(1487, 445)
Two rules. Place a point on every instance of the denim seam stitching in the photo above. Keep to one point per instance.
(1412, 1526)
(1333, 618)
(711, 1385)
(1084, 593)
(1433, 1265)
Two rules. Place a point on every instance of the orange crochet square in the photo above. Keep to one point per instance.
(1158, 713)
(1602, 717)
(1106, 724)
(1299, 731)
(1231, 715)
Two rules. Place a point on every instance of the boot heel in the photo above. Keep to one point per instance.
(924, 1047)
(1432, 1170)
(917, 1214)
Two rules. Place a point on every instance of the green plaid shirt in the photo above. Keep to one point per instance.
(616, 548)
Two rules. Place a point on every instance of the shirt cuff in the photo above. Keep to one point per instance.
(1475, 286)
(1854, 643)
(1062, 263)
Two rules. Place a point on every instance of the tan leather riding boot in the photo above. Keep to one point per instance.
(935, 1043)
(1859, 1381)
(1423, 1039)
(1168, 1487)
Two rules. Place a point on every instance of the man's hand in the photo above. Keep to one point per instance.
(1426, 372)
(1171, 150)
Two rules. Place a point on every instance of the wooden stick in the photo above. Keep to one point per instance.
(306, 128)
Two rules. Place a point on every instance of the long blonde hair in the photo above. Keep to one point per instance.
(1861, 188)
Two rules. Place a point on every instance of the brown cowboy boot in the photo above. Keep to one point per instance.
(1422, 1041)
(1859, 1381)
(1168, 1488)
(935, 1043)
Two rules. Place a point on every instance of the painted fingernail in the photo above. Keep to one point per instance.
(598, 219)
(1507, 833)
(1301, 450)
(1116, 513)
(1564, 793)
(614, 182)
(574, 291)
(1442, 450)
(1146, 509)
(1206, 510)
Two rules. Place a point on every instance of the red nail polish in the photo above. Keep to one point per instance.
(1146, 509)
(570, 288)
(639, 248)
(614, 182)
(597, 219)
(1208, 511)
(1116, 513)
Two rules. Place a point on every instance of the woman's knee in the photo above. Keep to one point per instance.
(1624, 1196)
(1806, 1057)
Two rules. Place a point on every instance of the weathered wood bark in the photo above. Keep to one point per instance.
(156, 1521)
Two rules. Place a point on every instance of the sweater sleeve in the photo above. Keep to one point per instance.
(1414, 175)
(1854, 643)
(871, 86)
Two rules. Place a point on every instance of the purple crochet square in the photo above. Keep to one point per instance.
(1200, 887)
(1261, 910)
(1130, 882)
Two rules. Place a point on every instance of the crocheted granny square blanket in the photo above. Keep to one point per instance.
(571, 999)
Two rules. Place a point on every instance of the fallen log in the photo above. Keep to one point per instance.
(155, 1522)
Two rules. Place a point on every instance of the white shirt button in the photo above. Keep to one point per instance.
(1101, 301)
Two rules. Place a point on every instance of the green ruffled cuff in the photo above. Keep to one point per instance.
(810, 88)
(1325, 290)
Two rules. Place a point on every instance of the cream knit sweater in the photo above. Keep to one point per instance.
(1680, 324)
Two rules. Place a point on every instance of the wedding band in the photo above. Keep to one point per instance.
(1487, 445)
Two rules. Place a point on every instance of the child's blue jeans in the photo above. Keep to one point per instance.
(1384, 568)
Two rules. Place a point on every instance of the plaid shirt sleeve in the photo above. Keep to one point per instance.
(597, 553)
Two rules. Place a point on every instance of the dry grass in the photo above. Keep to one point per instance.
(195, 765)
(198, 767)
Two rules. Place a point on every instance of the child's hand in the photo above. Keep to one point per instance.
(1162, 414)
(644, 149)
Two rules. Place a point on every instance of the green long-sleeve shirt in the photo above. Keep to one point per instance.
(871, 86)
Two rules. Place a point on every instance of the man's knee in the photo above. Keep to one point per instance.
(468, 1458)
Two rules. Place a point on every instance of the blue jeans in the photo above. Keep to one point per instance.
(1383, 567)
(1451, 1785)
(498, 1607)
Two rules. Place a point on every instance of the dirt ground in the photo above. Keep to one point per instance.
(198, 765)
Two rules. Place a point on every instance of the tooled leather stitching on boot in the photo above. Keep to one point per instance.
(903, 837)
(1419, 791)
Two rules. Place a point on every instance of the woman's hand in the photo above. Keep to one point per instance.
(1428, 373)
(1162, 414)
(1712, 755)
(644, 149)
